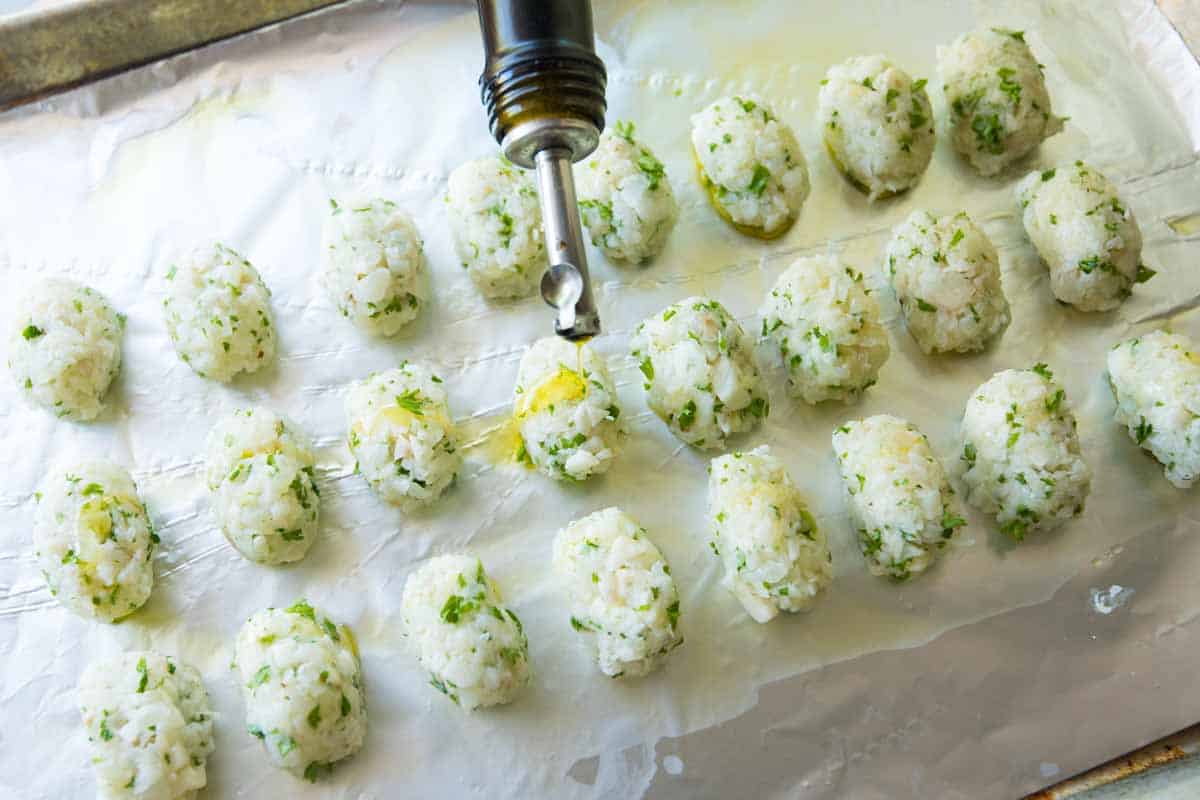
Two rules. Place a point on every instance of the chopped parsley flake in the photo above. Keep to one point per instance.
(456, 608)
(687, 416)
(1009, 86)
(262, 676)
(989, 133)
(647, 369)
(652, 168)
(412, 402)
(145, 675)
(758, 181)
(1018, 35)
(302, 608)
(968, 454)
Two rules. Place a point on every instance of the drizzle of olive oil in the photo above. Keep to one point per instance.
(564, 386)
(497, 437)
(1185, 225)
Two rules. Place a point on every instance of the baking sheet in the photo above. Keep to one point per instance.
(960, 683)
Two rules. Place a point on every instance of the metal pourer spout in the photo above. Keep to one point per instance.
(543, 88)
(550, 146)
(566, 284)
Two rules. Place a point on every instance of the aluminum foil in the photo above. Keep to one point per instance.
(1000, 670)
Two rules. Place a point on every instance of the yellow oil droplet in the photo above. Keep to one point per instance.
(1186, 225)
(495, 438)
(94, 517)
(398, 416)
(712, 190)
(564, 386)
(404, 418)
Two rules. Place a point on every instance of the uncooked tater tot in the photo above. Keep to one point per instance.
(625, 199)
(775, 557)
(303, 687)
(1086, 235)
(622, 594)
(565, 405)
(402, 436)
(496, 224)
(999, 107)
(473, 646)
(827, 329)
(150, 727)
(218, 313)
(260, 470)
(93, 540)
(750, 164)
(699, 370)
(1156, 381)
(65, 348)
(877, 124)
(900, 501)
(946, 275)
(1022, 453)
(373, 265)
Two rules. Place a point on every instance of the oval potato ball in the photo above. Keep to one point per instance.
(1155, 379)
(496, 225)
(149, 724)
(946, 275)
(625, 199)
(93, 540)
(751, 165)
(622, 593)
(217, 313)
(999, 107)
(565, 405)
(259, 468)
(473, 647)
(1085, 234)
(303, 688)
(401, 435)
(827, 329)
(373, 265)
(877, 124)
(899, 498)
(699, 370)
(65, 348)
(1022, 452)
(775, 557)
